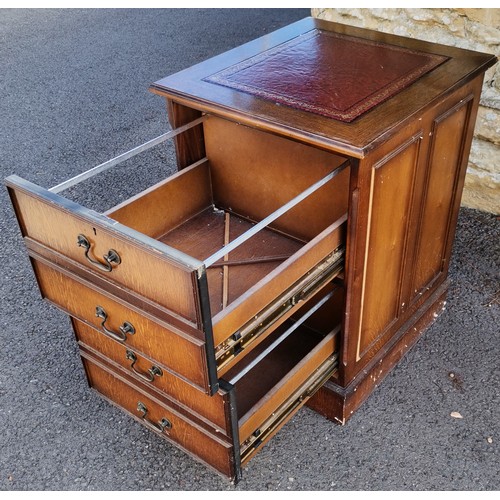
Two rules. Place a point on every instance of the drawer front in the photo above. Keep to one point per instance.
(161, 419)
(185, 356)
(153, 373)
(109, 249)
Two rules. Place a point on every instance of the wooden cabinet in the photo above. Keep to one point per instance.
(298, 253)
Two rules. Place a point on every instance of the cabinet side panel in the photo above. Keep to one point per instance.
(447, 151)
(391, 190)
(190, 145)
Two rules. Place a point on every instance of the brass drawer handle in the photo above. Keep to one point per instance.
(125, 328)
(153, 372)
(112, 256)
(161, 425)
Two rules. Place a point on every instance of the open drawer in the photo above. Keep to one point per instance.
(207, 254)
(255, 399)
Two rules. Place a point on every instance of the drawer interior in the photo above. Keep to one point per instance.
(274, 367)
(229, 278)
(247, 177)
(275, 378)
(223, 251)
(205, 225)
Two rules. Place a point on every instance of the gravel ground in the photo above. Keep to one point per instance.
(73, 93)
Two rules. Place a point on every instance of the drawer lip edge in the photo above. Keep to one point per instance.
(89, 352)
(118, 230)
(96, 288)
(154, 396)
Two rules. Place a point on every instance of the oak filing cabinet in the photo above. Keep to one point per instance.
(299, 251)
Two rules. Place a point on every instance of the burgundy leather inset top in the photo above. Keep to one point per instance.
(334, 75)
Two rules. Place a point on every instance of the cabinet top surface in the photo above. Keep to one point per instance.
(326, 83)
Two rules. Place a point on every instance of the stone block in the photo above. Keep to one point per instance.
(482, 182)
(488, 17)
(488, 125)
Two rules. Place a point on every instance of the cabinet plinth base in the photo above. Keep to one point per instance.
(339, 403)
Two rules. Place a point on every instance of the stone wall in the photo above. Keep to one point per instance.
(474, 29)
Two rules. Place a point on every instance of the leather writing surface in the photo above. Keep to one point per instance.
(333, 75)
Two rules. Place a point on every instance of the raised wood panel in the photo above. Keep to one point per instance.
(391, 190)
(446, 154)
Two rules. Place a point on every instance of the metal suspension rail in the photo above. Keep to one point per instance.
(280, 339)
(125, 156)
(272, 217)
